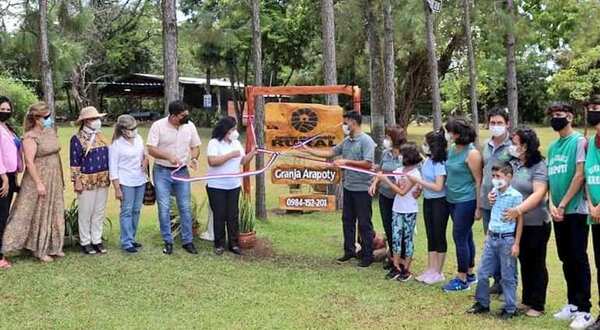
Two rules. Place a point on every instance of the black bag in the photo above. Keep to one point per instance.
(149, 193)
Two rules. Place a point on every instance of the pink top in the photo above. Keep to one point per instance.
(10, 154)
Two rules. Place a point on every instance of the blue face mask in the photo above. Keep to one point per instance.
(48, 122)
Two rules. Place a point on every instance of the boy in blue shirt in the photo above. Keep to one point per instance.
(501, 245)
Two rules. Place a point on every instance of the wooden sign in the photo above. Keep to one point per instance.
(307, 202)
(287, 124)
(303, 174)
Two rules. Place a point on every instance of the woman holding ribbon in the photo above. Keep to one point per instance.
(225, 155)
(89, 169)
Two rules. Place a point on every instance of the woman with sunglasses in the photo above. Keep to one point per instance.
(37, 221)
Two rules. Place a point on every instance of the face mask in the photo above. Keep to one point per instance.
(130, 133)
(498, 183)
(497, 130)
(513, 150)
(448, 137)
(425, 149)
(387, 144)
(184, 120)
(4, 116)
(96, 124)
(346, 129)
(233, 136)
(593, 118)
(48, 122)
(558, 123)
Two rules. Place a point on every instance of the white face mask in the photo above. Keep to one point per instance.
(425, 149)
(233, 136)
(497, 130)
(387, 144)
(498, 183)
(346, 129)
(513, 150)
(95, 124)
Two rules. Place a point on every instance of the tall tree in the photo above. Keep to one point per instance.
(389, 62)
(436, 100)
(45, 68)
(375, 74)
(259, 115)
(328, 37)
(511, 67)
(169, 25)
(471, 64)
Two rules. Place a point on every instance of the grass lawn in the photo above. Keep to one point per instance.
(297, 286)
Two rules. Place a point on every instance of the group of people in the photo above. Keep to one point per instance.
(35, 220)
(507, 182)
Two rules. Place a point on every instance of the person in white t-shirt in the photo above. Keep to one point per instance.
(225, 155)
(404, 210)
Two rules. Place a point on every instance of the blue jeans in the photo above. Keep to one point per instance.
(497, 252)
(165, 186)
(131, 204)
(463, 216)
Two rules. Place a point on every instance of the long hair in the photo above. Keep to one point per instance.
(529, 138)
(35, 111)
(4, 99)
(437, 145)
(397, 134)
(124, 122)
(224, 125)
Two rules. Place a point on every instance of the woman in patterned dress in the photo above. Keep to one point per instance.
(37, 220)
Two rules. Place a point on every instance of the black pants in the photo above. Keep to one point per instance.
(385, 209)
(224, 205)
(5, 205)
(571, 243)
(357, 207)
(596, 242)
(532, 257)
(436, 212)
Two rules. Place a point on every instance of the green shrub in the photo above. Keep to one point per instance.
(21, 97)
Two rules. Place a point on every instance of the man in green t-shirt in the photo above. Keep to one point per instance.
(592, 178)
(566, 157)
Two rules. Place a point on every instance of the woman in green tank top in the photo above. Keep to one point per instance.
(464, 172)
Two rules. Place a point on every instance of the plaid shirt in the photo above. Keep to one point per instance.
(504, 200)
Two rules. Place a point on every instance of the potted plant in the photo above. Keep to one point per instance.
(247, 220)
(195, 209)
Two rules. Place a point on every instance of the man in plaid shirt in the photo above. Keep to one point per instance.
(501, 245)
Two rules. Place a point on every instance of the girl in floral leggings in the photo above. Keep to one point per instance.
(405, 210)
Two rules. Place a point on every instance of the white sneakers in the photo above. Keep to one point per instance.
(581, 321)
(567, 313)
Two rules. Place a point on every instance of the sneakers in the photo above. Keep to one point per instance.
(471, 278)
(581, 321)
(434, 278)
(505, 315)
(478, 308)
(393, 274)
(567, 313)
(99, 248)
(345, 257)
(131, 249)
(365, 263)
(4, 264)
(404, 276)
(596, 325)
(236, 250)
(455, 285)
(219, 251)
(168, 249)
(88, 249)
(190, 248)
(424, 275)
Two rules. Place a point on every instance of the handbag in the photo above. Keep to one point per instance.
(149, 192)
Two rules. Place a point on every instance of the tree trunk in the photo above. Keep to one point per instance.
(375, 75)
(259, 115)
(45, 68)
(472, 65)
(169, 25)
(328, 36)
(511, 68)
(389, 64)
(433, 68)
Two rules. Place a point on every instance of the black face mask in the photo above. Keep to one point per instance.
(558, 123)
(593, 118)
(4, 116)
